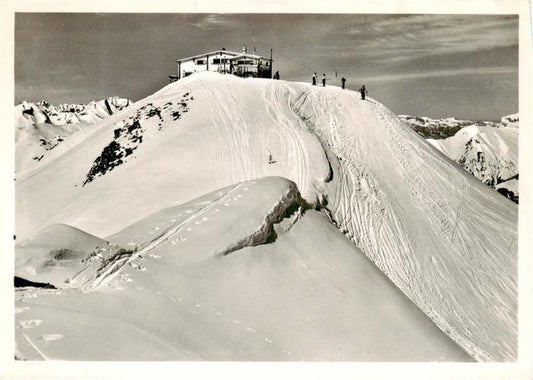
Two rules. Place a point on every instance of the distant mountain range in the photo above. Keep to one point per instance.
(487, 149)
(441, 128)
(40, 127)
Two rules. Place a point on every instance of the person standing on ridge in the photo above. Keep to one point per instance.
(314, 79)
(363, 92)
(343, 80)
(276, 76)
(323, 80)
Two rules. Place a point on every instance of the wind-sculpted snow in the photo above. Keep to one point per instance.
(66, 257)
(290, 287)
(63, 256)
(254, 232)
(445, 239)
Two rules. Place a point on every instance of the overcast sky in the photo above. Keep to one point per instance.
(429, 65)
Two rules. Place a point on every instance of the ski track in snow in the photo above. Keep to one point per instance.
(362, 211)
(449, 222)
(227, 120)
(34, 346)
(108, 272)
(298, 153)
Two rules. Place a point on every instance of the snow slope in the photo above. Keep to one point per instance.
(59, 253)
(422, 221)
(445, 239)
(41, 127)
(294, 289)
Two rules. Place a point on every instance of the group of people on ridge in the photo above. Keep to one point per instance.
(323, 79)
(362, 90)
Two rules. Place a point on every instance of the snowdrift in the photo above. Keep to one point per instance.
(447, 241)
(294, 288)
(60, 253)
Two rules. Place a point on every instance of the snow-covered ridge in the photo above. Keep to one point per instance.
(48, 258)
(446, 240)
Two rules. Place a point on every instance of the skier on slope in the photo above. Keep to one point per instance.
(363, 92)
(270, 158)
(323, 80)
(343, 81)
(314, 79)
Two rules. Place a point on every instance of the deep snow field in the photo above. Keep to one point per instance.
(248, 219)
